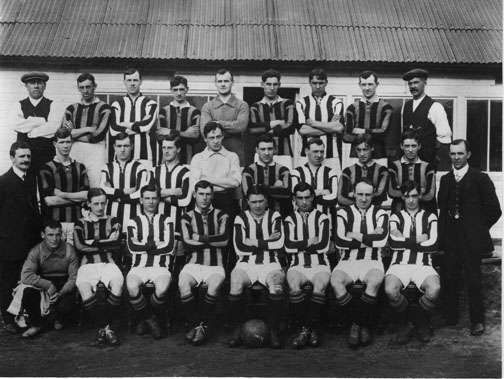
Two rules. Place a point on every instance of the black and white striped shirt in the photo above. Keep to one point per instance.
(96, 114)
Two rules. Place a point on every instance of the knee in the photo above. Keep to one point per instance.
(373, 283)
(133, 286)
(85, 290)
(432, 292)
(275, 283)
(236, 285)
(338, 285)
(392, 290)
(184, 286)
(116, 285)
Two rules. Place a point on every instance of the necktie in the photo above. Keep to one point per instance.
(24, 177)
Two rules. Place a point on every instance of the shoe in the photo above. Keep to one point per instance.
(354, 336)
(403, 335)
(110, 336)
(302, 338)
(274, 339)
(190, 334)
(365, 336)
(199, 335)
(154, 328)
(477, 329)
(31, 332)
(314, 338)
(58, 325)
(423, 333)
(101, 337)
(11, 328)
(235, 340)
(142, 328)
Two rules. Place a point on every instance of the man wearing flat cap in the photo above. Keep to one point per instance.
(425, 116)
(36, 119)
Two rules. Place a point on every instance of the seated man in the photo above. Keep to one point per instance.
(413, 236)
(257, 238)
(204, 234)
(49, 272)
(307, 242)
(151, 239)
(361, 232)
(95, 237)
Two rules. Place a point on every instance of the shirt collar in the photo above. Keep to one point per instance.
(208, 153)
(96, 99)
(35, 102)
(417, 101)
(318, 98)
(90, 217)
(177, 105)
(369, 164)
(18, 172)
(374, 99)
(259, 163)
(57, 160)
(265, 100)
(461, 173)
(417, 160)
(196, 209)
(233, 100)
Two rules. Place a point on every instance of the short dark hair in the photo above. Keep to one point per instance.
(268, 138)
(224, 71)
(150, 188)
(271, 74)
(121, 136)
(131, 71)
(51, 224)
(95, 191)
(177, 80)
(303, 186)
(314, 141)
(319, 73)
(408, 186)
(174, 138)
(203, 184)
(86, 76)
(62, 133)
(256, 190)
(363, 138)
(464, 141)
(212, 125)
(366, 74)
(410, 134)
(365, 180)
(16, 146)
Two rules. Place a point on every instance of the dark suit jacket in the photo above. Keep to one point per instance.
(481, 210)
(19, 217)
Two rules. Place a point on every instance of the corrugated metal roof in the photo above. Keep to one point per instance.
(435, 31)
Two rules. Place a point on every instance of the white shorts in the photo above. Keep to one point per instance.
(258, 273)
(97, 272)
(357, 270)
(310, 272)
(149, 274)
(411, 273)
(67, 229)
(91, 155)
(201, 273)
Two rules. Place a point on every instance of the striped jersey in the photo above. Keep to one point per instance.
(143, 114)
(96, 114)
(212, 230)
(66, 178)
(179, 119)
(261, 115)
(321, 109)
(115, 179)
(352, 219)
(151, 240)
(92, 239)
(373, 172)
(299, 227)
(406, 249)
(372, 116)
(246, 226)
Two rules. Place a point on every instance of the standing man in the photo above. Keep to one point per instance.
(365, 168)
(205, 231)
(321, 115)
(361, 233)
(64, 184)
(36, 119)
(274, 116)
(370, 115)
(468, 209)
(19, 223)
(151, 238)
(427, 117)
(228, 111)
(135, 114)
(89, 123)
(180, 118)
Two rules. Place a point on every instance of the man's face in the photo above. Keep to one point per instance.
(36, 88)
(22, 159)
(87, 90)
(304, 200)
(123, 149)
(132, 83)
(368, 87)
(170, 151)
(149, 201)
(97, 205)
(315, 154)
(364, 152)
(412, 200)
(214, 139)
(63, 145)
(459, 155)
(224, 83)
(257, 204)
(270, 87)
(417, 87)
(203, 198)
(265, 152)
(318, 86)
(52, 237)
(363, 195)
(410, 148)
(179, 93)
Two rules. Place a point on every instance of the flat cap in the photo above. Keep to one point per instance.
(34, 75)
(416, 73)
